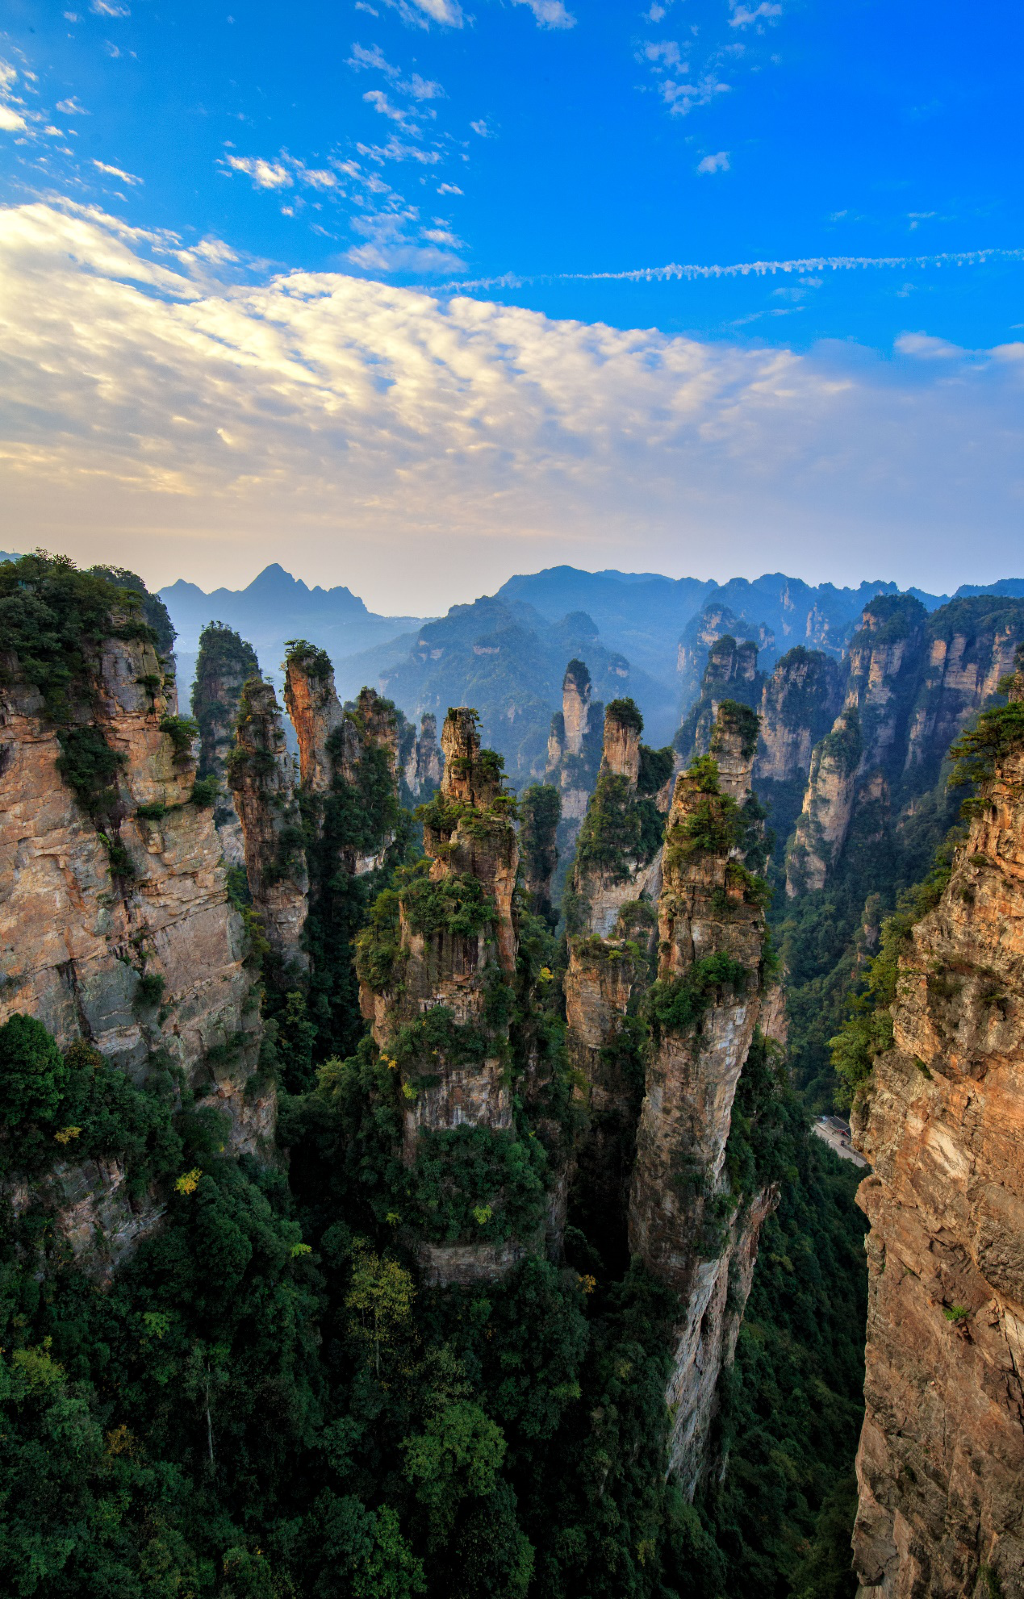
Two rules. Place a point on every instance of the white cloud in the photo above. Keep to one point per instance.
(923, 347)
(8, 77)
(449, 188)
(549, 13)
(742, 16)
(682, 97)
(395, 150)
(419, 88)
(11, 121)
(714, 163)
(405, 444)
(116, 172)
(663, 53)
(380, 102)
(108, 8)
(447, 12)
(71, 108)
(481, 128)
(264, 174)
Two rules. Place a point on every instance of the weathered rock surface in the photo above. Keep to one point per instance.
(678, 1188)
(75, 937)
(574, 751)
(423, 765)
(470, 839)
(262, 774)
(223, 664)
(941, 1460)
(824, 821)
(799, 703)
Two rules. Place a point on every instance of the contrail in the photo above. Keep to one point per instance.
(741, 269)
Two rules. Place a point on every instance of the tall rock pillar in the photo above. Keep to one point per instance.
(437, 967)
(610, 918)
(225, 662)
(683, 1221)
(262, 777)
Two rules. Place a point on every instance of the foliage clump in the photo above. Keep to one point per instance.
(675, 1005)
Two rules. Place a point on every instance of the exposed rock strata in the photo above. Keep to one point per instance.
(224, 663)
(422, 769)
(452, 975)
(574, 751)
(679, 1193)
(941, 1460)
(799, 703)
(77, 936)
(262, 775)
(731, 674)
(824, 822)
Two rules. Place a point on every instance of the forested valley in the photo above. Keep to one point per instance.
(410, 1180)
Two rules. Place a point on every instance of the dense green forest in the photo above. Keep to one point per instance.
(267, 1401)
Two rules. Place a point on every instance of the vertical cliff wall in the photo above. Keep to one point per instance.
(540, 814)
(437, 968)
(574, 754)
(731, 674)
(262, 777)
(115, 924)
(941, 1461)
(422, 769)
(223, 664)
(684, 1222)
(824, 821)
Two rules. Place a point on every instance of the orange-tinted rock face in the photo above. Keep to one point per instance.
(263, 783)
(74, 939)
(941, 1461)
(316, 712)
(684, 1124)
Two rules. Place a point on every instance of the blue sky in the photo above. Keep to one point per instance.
(525, 154)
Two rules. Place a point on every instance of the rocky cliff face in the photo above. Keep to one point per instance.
(716, 625)
(969, 646)
(92, 902)
(262, 777)
(799, 703)
(731, 674)
(422, 769)
(683, 1221)
(224, 663)
(912, 683)
(434, 978)
(618, 855)
(824, 821)
(574, 748)
(941, 1461)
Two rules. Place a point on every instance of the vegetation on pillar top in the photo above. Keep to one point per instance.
(626, 712)
(887, 619)
(315, 662)
(222, 650)
(577, 672)
(741, 721)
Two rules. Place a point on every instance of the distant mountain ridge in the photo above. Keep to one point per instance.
(641, 633)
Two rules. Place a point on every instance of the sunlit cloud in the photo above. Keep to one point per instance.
(154, 413)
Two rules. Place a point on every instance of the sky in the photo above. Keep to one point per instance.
(414, 294)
